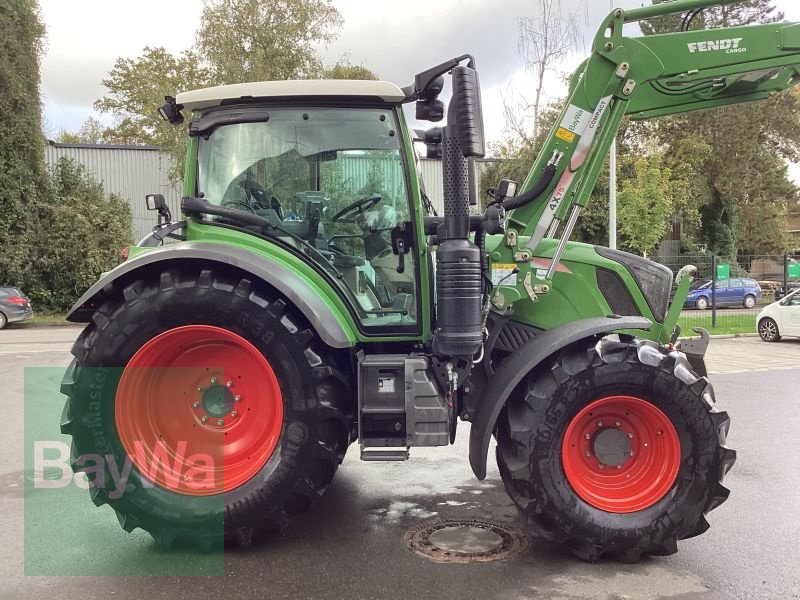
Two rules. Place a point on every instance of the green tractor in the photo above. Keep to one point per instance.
(311, 297)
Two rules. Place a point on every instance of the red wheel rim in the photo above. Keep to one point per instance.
(621, 454)
(199, 410)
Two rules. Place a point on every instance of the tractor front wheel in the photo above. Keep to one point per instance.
(214, 398)
(615, 449)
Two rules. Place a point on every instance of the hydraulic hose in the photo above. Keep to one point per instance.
(536, 191)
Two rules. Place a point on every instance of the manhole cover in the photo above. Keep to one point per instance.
(466, 541)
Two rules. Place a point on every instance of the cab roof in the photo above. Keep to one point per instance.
(215, 96)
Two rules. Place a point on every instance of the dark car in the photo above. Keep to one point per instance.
(736, 291)
(14, 306)
(780, 293)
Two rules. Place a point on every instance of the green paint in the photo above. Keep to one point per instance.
(196, 232)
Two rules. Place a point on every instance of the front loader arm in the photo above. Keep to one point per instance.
(647, 77)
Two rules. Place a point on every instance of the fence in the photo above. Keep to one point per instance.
(726, 296)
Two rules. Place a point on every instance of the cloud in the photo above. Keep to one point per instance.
(74, 82)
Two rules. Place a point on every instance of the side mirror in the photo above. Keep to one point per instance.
(468, 111)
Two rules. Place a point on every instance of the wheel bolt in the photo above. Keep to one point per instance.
(588, 453)
(196, 403)
(601, 466)
(220, 422)
(199, 388)
(617, 424)
(204, 418)
(237, 397)
(228, 383)
(214, 379)
(630, 436)
(234, 414)
(587, 436)
(619, 466)
(599, 423)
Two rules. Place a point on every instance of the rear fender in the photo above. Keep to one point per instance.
(517, 366)
(306, 297)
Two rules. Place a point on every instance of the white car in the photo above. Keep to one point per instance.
(780, 318)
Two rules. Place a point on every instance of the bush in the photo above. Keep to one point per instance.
(80, 233)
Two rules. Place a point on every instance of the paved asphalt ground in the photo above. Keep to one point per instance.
(350, 545)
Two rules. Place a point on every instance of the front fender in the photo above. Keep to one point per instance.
(517, 366)
(300, 292)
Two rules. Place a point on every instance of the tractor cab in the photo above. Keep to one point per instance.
(324, 164)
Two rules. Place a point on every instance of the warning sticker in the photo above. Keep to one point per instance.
(565, 135)
(502, 274)
(576, 119)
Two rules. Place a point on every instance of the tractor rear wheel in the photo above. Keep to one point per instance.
(216, 395)
(615, 449)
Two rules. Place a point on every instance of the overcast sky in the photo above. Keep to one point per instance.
(85, 37)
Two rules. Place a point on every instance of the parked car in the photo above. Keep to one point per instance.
(780, 319)
(792, 285)
(737, 291)
(14, 306)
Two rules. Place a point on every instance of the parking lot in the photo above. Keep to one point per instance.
(351, 543)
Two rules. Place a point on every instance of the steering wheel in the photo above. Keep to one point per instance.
(240, 203)
(349, 213)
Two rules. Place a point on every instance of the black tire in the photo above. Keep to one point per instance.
(749, 301)
(318, 412)
(768, 330)
(531, 429)
(3, 321)
(702, 303)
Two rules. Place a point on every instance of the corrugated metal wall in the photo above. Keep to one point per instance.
(131, 172)
(135, 171)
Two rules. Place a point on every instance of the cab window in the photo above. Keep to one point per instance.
(332, 184)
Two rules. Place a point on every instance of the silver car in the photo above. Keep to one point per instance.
(14, 306)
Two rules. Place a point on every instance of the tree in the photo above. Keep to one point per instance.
(743, 185)
(545, 39)
(85, 231)
(645, 205)
(22, 171)
(136, 88)
(344, 69)
(237, 41)
(91, 132)
(260, 40)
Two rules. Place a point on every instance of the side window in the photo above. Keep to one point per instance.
(332, 184)
(737, 284)
(722, 284)
(3, 293)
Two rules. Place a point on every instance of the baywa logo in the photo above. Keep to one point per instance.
(729, 46)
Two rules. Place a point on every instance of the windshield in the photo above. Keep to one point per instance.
(331, 181)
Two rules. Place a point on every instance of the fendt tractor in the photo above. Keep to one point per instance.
(312, 297)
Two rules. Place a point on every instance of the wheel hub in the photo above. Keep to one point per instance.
(217, 401)
(611, 447)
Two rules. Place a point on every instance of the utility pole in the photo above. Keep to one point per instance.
(612, 189)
